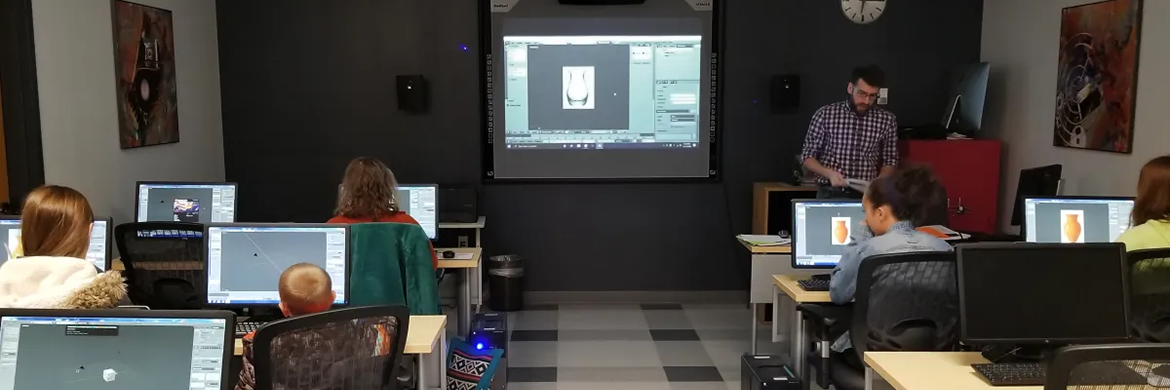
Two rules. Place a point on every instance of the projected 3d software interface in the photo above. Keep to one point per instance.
(822, 231)
(1064, 220)
(10, 233)
(196, 203)
(602, 92)
(419, 202)
(111, 353)
(244, 263)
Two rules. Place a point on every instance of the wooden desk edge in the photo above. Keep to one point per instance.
(963, 359)
(476, 257)
(788, 284)
(871, 362)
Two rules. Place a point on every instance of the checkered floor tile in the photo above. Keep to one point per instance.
(618, 347)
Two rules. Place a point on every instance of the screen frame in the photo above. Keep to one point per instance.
(207, 262)
(1024, 207)
(796, 231)
(437, 190)
(109, 260)
(966, 339)
(488, 47)
(229, 348)
(138, 192)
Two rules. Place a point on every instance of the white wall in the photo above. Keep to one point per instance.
(79, 118)
(1020, 39)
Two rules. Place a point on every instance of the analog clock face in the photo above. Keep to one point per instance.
(863, 11)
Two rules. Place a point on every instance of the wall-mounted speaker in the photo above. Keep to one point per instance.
(785, 94)
(413, 93)
(601, 2)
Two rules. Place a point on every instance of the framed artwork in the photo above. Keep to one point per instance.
(1096, 82)
(144, 59)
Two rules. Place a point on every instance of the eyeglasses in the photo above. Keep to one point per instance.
(865, 95)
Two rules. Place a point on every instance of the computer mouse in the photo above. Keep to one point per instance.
(448, 254)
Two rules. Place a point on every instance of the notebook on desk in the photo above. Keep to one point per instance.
(764, 240)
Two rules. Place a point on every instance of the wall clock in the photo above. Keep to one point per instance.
(863, 11)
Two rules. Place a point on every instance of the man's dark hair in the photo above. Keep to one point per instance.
(872, 74)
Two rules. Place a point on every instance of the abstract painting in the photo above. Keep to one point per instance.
(1097, 76)
(144, 59)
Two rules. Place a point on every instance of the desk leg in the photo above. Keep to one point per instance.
(869, 378)
(441, 361)
(775, 314)
(465, 301)
(755, 326)
(420, 371)
(799, 341)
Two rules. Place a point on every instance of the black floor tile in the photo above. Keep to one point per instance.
(674, 335)
(534, 374)
(662, 306)
(685, 374)
(534, 335)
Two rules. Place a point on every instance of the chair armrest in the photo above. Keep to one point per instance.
(825, 315)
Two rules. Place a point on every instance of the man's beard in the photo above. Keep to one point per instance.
(856, 109)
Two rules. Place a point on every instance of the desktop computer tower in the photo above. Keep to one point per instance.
(767, 372)
(490, 330)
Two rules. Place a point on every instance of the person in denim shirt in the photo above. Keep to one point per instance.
(894, 206)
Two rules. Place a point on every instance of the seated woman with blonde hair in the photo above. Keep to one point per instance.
(50, 270)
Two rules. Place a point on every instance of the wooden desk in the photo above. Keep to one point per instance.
(470, 273)
(460, 263)
(774, 249)
(762, 191)
(928, 371)
(767, 261)
(788, 284)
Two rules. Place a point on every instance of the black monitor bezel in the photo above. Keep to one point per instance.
(796, 231)
(138, 194)
(436, 187)
(963, 327)
(109, 259)
(229, 348)
(207, 261)
(1024, 207)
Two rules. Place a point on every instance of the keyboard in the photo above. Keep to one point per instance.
(1011, 374)
(245, 327)
(814, 284)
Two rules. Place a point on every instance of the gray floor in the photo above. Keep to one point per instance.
(618, 347)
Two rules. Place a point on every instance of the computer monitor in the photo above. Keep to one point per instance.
(1035, 182)
(821, 229)
(1042, 294)
(1096, 219)
(420, 201)
(966, 92)
(185, 202)
(244, 261)
(115, 349)
(99, 239)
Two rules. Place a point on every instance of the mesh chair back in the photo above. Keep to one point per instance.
(1110, 367)
(351, 349)
(164, 263)
(1149, 300)
(906, 302)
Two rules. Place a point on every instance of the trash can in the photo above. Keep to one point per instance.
(505, 280)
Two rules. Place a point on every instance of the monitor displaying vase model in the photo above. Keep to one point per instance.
(1076, 220)
(822, 229)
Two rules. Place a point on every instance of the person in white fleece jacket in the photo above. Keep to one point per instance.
(50, 271)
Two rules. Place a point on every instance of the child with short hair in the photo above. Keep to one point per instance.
(304, 288)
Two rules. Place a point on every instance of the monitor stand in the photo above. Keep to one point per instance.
(1019, 354)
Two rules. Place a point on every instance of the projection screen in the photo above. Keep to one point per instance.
(600, 92)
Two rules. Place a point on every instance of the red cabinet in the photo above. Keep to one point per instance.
(969, 169)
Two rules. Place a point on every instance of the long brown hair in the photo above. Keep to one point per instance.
(368, 190)
(913, 193)
(55, 221)
(1153, 192)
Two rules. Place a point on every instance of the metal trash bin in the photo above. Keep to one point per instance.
(505, 283)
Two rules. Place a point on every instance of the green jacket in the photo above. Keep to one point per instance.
(391, 265)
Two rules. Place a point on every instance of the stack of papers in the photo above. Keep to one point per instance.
(763, 240)
(944, 233)
(858, 185)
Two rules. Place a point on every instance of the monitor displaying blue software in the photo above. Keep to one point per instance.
(420, 201)
(114, 349)
(99, 240)
(821, 229)
(1076, 219)
(244, 261)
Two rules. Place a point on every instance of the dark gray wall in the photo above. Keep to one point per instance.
(309, 84)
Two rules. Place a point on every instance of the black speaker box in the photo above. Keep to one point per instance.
(412, 93)
(785, 94)
(458, 204)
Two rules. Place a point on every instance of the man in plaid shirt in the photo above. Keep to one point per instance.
(852, 139)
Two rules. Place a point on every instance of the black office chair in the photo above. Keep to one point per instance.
(355, 348)
(1149, 301)
(1109, 367)
(904, 302)
(164, 263)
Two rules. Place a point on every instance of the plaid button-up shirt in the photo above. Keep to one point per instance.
(854, 145)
